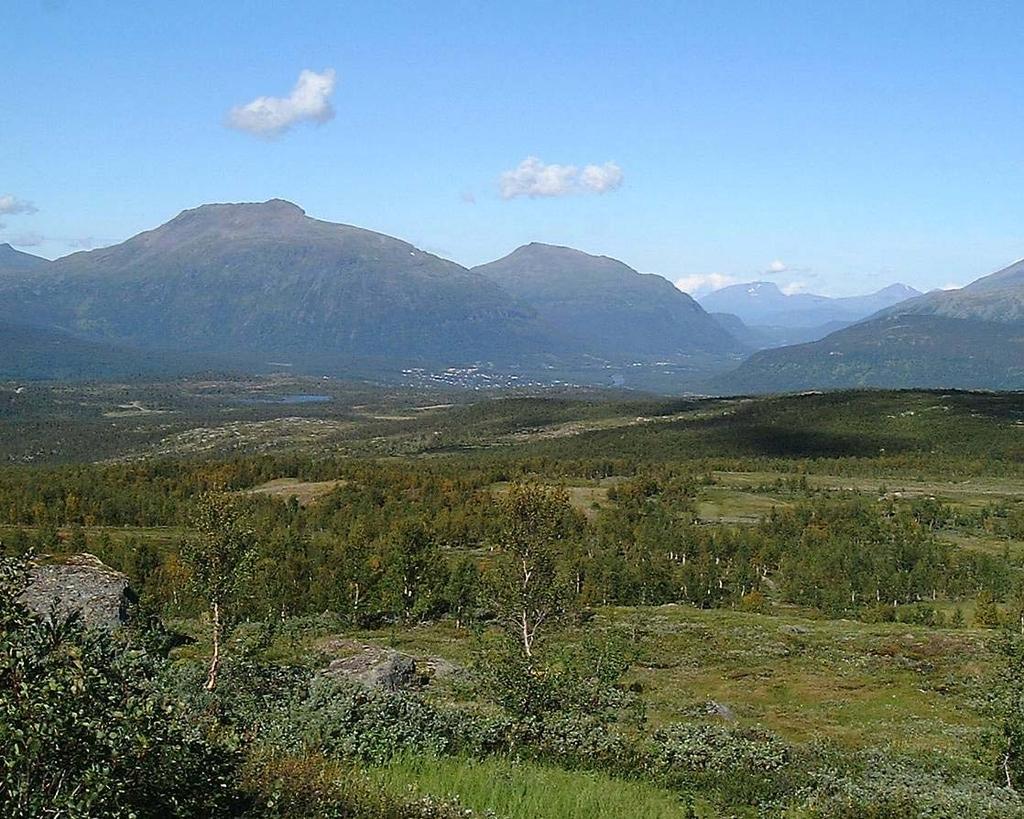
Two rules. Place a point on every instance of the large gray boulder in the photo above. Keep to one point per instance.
(380, 668)
(81, 583)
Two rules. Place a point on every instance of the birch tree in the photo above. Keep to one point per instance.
(220, 557)
(536, 524)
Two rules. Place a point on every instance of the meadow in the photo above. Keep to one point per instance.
(792, 606)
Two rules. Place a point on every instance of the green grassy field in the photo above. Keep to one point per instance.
(512, 789)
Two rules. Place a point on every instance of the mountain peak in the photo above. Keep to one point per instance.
(272, 208)
(13, 259)
(541, 250)
(899, 289)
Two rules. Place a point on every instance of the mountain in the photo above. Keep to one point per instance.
(33, 353)
(265, 280)
(971, 338)
(15, 261)
(612, 310)
(764, 304)
(998, 297)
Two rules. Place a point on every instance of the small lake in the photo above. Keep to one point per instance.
(296, 398)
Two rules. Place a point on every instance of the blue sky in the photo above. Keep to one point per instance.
(849, 144)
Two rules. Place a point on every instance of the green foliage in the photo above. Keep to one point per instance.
(346, 721)
(526, 589)
(86, 731)
(219, 556)
(986, 612)
(1007, 740)
(877, 786)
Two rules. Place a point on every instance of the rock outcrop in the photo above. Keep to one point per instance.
(81, 583)
(380, 668)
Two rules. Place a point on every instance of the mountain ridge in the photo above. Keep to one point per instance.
(612, 309)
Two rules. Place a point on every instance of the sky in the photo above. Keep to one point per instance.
(830, 147)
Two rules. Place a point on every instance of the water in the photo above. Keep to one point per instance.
(292, 398)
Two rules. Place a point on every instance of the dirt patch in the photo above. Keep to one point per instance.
(306, 492)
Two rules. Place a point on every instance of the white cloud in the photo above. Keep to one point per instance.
(11, 205)
(793, 288)
(534, 178)
(777, 266)
(704, 282)
(82, 243)
(310, 101)
(601, 178)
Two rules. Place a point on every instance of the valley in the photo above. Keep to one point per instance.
(822, 579)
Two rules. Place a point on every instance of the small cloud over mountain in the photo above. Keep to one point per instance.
(704, 282)
(533, 178)
(309, 101)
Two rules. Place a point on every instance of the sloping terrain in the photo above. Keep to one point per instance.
(971, 338)
(266, 280)
(612, 310)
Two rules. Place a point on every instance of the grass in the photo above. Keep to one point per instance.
(723, 505)
(305, 492)
(524, 790)
(860, 685)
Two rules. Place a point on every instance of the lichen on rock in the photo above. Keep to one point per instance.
(78, 583)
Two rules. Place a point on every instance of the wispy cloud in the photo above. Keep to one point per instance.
(27, 240)
(702, 283)
(11, 205)
(534, 178)
(309, 101)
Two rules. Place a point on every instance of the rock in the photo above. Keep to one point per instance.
(438, 668)
(721, 710)
(794, 631)
(379, 668)
(81, 583)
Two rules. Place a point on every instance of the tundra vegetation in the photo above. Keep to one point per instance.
(808, 606)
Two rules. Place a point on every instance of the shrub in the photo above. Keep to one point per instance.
(882, 787)
(86, 730)
(709, 748)
(343, 720)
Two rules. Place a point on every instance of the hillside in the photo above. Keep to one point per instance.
(612, 310)
(971, 338)
(267, 280)
(891, 351)
(33, 353)
(15, 261)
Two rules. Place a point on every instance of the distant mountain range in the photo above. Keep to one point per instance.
(764, 304)
(253, 287)
(266, 283)
(762, 316)
(969, 338)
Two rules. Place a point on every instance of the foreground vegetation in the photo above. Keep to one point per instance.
(803, 606)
